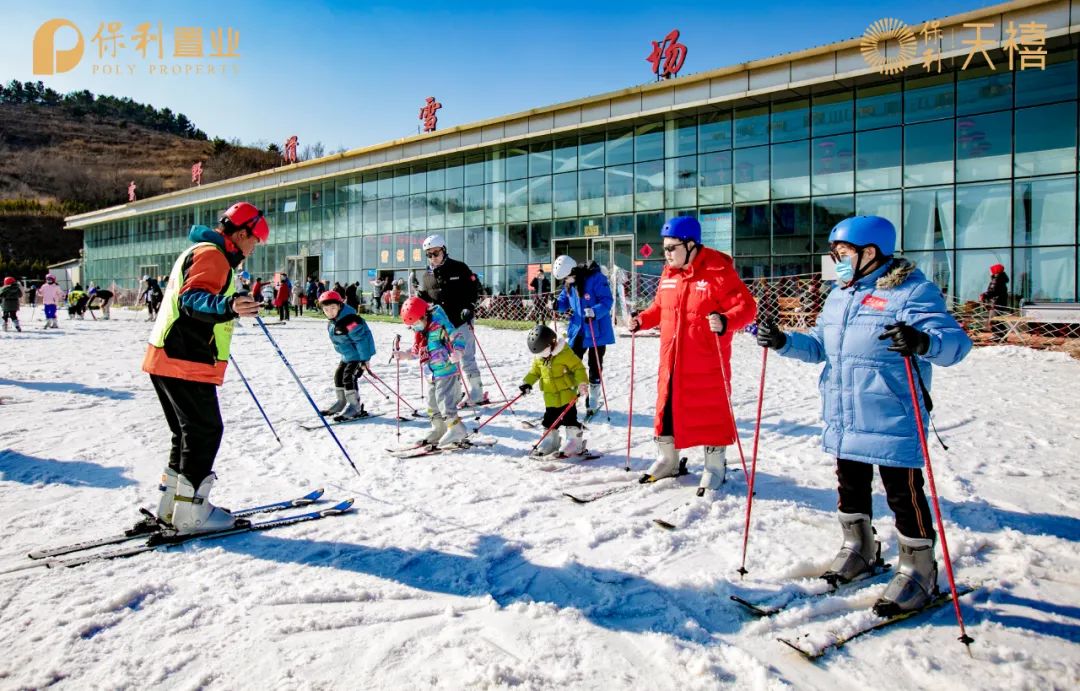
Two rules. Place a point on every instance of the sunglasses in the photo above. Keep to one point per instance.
(433, 253)
(670, 249)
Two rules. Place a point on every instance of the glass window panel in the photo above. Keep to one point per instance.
(878, 106)
(540, 197)
(474, 205)
(540, 243)
(752, 126)
(386, 250)
(402, 250)
(928, 153)
(714, 178)
(495, 202)
(936, 266)
(790, 121)
(417, 180)
(1046, 139)
(929, 98)
(1045, 274)
(474, 170)
(386, 184)
(879, 157)
(984, 146)
(370, 186)
(590, 227)
(620, 146)
(983, 89)
(1056, 83)
(833, 161)
(751, 268)
(591, 191)
(751, 229)
(517, 244)
(591, 151)
(401, 183)
(649, 185)
(564, 155)
(983, 215)
(973, 272)
(833, 113)
(683, 136)
(648, 229)
(455, 206)
(790, 169)
(540, 158)
(517, 163)
(884, 204)
(752, 174)
(620, 225)
(386, 215)
(436, 176)
(455, 241)
(714, 131)
(436, 206)
(791, 227)
(455, 173)
(401, 213)
(716, 228)
(681, 182)
(928, 219)
(649, 141)
(1044, 211)
(517, 200)
(620, 188)
(566, 229)
(828, 211)
(495, 166)
(475, 245)
(564, 194)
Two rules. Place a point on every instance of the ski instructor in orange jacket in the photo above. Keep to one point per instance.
(699, 303)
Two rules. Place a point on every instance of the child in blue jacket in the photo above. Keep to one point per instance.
(352, 340)
(587, 296)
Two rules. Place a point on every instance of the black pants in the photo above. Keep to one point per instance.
(346, 375)
(283, 312)
(11, 314)
(903, 489)
(569, 420)
(191, 409)
(667, 423)
(596, 356)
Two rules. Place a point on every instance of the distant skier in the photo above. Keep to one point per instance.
(103, 297)
(699, 304)
(881, 310)
(441, 348)
(352, 339)
(562, 376)
(152, 296)
(76, 301)
(281, 298)
(51, 296)
(10, 295)
(586, 294)
(187, 355)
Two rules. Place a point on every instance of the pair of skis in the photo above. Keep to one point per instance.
(424, 449)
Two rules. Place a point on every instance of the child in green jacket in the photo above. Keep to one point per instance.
(562, 378)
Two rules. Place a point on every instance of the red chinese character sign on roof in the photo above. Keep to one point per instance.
(667, 56)
(290, 149)
(131, 191)
(196, 173)
(645, 250)
(427, 114)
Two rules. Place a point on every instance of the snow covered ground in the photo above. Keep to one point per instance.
(473, 571)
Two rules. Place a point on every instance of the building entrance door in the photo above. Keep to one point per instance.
(614, 253)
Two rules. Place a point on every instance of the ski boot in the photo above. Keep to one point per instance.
(17, 327)
(666, 463)
(715, 472)
(860, 555)
(438, 429)
(193, 512)
(338, 405)
(574, 444)
(915, 582)
(163, 518)
(592, 402)
(6, 327)
(549, 445)
(455, 435)
(353, 411)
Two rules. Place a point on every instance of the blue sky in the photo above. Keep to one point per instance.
(353, 74)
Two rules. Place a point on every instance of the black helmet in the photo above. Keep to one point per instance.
(540, 337)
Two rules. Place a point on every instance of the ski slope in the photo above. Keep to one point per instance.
(472, 570)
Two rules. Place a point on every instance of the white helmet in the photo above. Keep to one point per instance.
(562, 267)
(435, 240)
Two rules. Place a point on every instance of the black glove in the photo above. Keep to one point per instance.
(635, 325)
(907, 340)
(769, 335)
(525, 389)
(362, 368)
(466, 315)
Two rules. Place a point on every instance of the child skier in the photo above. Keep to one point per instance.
(10, 295)
(353, 341)
(439, 345)
(562, 375)
(51, 295)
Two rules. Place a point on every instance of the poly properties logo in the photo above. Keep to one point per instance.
(876, 39)
(47, 58)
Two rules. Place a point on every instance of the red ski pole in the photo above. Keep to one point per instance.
(397, 346)
(753, 461)
(498, 412)
(399, 397)
(964, 638)
(630, 415)
(599, 368)
(555, 424)
(731, 407)
(491, 371)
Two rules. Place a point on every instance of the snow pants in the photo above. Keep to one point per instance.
(569, 420)
(903, 489)
(443, 395)
(347, 375)
(191, 410)
(596, 357)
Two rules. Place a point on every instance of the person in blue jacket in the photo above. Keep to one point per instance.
(881, 310)
(353, 341)
(587, 295)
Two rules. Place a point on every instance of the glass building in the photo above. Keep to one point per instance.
(974, 166)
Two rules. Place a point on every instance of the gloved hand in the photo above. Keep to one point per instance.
(466, 315)
(363, 368)
(718, 323)
(525, 389)
(769, 335)
(907, 340)
(634, 325)
(582, 390)
(456, 355)
(589, 313)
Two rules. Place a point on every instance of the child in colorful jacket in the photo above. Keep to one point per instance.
(352, 339)
(51, 296)
(439, 346)
(563, 380)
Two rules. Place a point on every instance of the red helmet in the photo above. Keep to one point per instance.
(996, 269)
(244, 216)
(10, 280)
(413, 310)
(330, 296)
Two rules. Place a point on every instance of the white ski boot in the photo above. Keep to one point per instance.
(338, 405)
(592, 403)
(860, 554)
(455, 433)
(438, 429)
(575, 442)
(549, 445)
(17, 327)
(666, 463)
(715, 472)
(353, 411)
(915, 582)
(193, 512)
(167, 503)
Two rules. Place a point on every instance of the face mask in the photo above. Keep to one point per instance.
(844, 270)
(418, 327)
(545, 353)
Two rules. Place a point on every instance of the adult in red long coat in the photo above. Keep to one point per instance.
(699, 303)
(281, 298)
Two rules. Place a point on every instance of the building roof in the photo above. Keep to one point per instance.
(787, 71)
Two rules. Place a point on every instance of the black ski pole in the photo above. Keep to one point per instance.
(255, 398)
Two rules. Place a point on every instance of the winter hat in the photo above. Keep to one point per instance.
(996, 269)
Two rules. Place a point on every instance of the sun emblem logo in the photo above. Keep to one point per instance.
(874, 41)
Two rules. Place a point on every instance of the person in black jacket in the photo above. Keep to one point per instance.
(104, 297)
(453, 286)
(996, 297)
(351, 298)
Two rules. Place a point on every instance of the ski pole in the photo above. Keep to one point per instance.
(491, 371)
(731, 407)
(376, 386)
(397, 346)
(400, 399)
(296, 378)
(465, 388)
(498, 412)
(964, 638)
(753, 461)
(255, 398)
(599, 368)
(630, 414)
(555, 424)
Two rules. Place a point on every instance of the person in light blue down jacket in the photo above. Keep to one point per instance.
(881, 310)
(352, 339)
(587, 295)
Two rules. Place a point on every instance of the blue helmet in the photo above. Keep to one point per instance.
(866, 230)
(245, 275)
(683, 228)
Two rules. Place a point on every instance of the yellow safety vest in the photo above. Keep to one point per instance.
(170, 307)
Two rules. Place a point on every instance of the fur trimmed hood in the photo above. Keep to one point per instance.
(896, 274)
